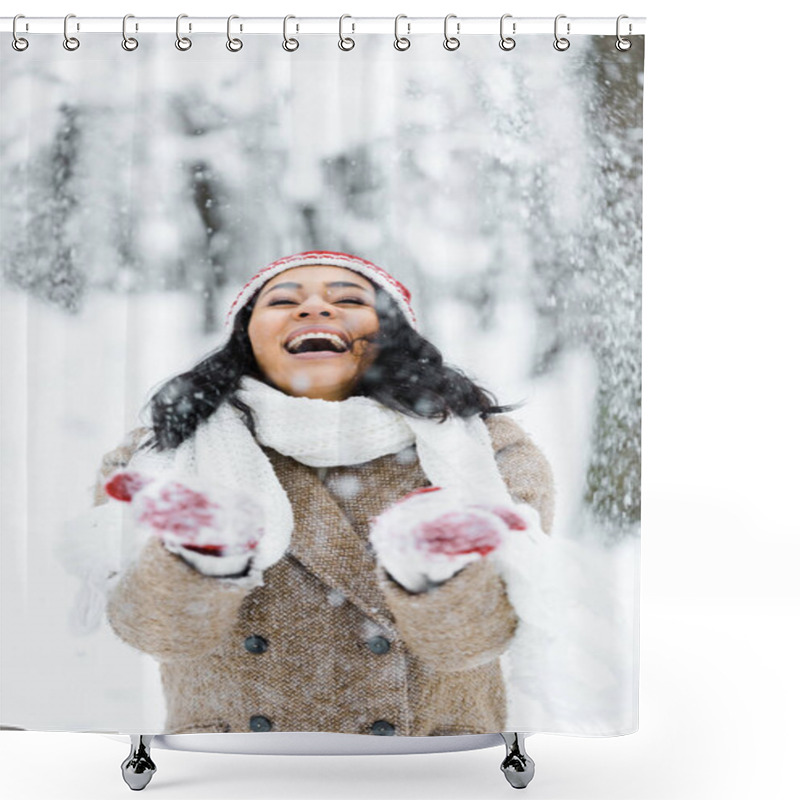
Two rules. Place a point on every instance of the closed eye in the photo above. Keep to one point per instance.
(344, 300)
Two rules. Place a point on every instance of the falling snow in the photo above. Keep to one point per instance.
(346, 486)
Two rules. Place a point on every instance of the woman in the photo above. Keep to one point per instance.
(324, 500)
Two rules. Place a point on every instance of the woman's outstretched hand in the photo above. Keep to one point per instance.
(214, 528)
(430, 534)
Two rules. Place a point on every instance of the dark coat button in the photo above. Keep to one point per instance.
(260, 724)
(378, 644)
(382, 728)
(255, 644)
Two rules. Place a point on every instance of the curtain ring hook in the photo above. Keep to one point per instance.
(561, 43)
(346, 43)
(290, 45)
(129, 43)
(401, 42)
(70, 42)
(623, 44)
(18, 43)
(234, 45)
(451, 42)
(182, 42)
(507, 42)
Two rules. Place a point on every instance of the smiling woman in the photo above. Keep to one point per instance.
(326, 450)
(312, 335)
(396, 366)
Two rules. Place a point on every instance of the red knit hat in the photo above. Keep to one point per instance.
(399, 293)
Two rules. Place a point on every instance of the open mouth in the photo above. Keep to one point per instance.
(317, 345)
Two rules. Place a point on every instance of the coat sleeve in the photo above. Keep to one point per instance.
(163, 606)
(524, 468)
(459, 624)
(468, 620)
(160, 604)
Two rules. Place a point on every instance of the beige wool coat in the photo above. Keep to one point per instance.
(330, 642)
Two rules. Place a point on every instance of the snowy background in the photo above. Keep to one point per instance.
(140, 192)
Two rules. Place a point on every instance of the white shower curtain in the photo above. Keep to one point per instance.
(141, 191)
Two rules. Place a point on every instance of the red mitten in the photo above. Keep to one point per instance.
(430, 534)
(214, 528)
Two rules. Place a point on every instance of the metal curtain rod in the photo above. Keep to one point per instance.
(460, 26)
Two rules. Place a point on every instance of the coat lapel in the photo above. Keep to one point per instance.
(324, 541)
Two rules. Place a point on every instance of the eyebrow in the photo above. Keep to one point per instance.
(292, 285)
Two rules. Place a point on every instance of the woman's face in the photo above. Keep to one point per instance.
(303, 330)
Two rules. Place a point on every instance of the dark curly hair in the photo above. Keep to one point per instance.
(408, 375)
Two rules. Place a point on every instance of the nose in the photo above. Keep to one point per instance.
(314, 304)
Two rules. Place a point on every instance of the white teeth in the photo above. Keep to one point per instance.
(332, 337)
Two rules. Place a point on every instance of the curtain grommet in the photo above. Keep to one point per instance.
(19, 43)
(401, 43)
(183, 43)
(129, 43)
(289, 44)
(233, 44)
(451, 42)
(70, 43)
(622, 44)
(561, 43)
(346, 43)
(507, 42)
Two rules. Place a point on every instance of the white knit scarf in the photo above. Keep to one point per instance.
(456, 454)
